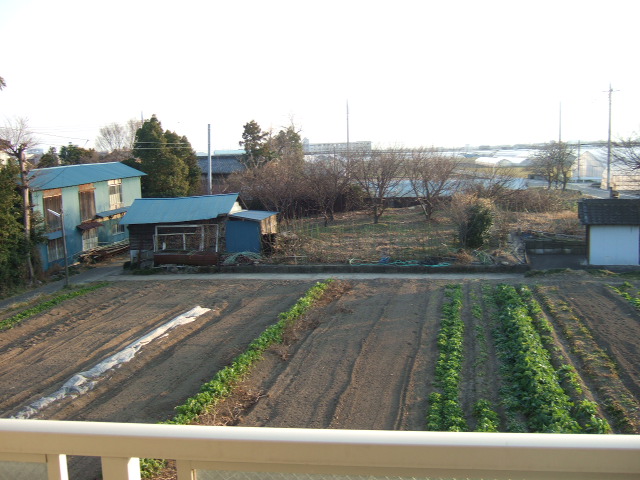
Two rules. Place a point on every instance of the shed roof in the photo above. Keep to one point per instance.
(609, 211)
(253, 215)
(70, 175)
(221, 165)
(180, 209)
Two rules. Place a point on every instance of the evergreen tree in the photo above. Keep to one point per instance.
(256, 145)
(75, 155)
(49, 159)
(168, 160)
(181, 148)
(13, 247)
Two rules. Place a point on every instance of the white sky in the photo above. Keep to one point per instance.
(415, 73)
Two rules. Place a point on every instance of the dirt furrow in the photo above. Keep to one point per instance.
(615, 325)
(382, 365)
(356, 370)
(306, 392)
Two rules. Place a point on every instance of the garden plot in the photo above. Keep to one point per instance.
(41, 354)
(370, 363)
(366, 359)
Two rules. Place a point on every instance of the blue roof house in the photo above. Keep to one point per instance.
(223, 164)
(93, 197)
(192, 230)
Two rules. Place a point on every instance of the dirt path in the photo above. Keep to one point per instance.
(362, 367)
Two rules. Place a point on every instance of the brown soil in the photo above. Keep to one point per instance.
(364, 360)
(368, 360)
(39, 355)
(362, 367)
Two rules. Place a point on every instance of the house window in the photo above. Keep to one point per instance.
(116, 229)
(90, 239)
(52, 200)
(87, 202)
(115, 194)
(55, 249)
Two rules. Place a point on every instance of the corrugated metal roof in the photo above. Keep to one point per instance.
(254, 215)
(609, 211)
(109, 213)
(89, 225)
(70, 175)
(180, 209)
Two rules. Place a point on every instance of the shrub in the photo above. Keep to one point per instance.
(474, 231)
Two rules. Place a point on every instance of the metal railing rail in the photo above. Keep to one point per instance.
(310, 451)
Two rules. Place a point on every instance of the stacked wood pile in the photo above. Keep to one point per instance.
(104, 252)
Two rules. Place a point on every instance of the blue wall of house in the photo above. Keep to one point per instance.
(71, 206)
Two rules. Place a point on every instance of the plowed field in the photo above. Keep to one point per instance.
(40, 354)
(366, 360)
(370, 361)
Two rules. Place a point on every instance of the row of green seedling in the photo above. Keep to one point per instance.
(445, 412)
(487, 419)
(527, 368)
(625, 291)
(224, 381)
(12, 321)
(584, 410)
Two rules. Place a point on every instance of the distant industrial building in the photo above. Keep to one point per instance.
(333, 148)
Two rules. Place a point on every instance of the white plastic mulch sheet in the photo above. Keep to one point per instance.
(84, 381)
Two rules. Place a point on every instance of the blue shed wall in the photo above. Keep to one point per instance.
(243, 237)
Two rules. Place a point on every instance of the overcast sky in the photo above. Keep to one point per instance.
(414, 73)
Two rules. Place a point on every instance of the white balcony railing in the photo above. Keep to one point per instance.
(217, 452)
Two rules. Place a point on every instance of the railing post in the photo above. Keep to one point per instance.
(184, 470)
(117, 468)
(57, 467)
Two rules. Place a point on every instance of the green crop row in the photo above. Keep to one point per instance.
(12, 321)
(527, 366)
(445, 412)
(623, 291)
(584, 411)
(226, 379)
(487, 419)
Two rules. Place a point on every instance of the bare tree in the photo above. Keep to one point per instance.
(432, 176)
(3, 84)
(15, 139)
(553, 162)
(495, 184)
(378, 174)
(325, 180)
(118, 140)
(626, 154)
(277, 185)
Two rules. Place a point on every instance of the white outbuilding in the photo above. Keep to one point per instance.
(613, 230)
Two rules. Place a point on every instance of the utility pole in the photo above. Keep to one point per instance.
(609, 188)
(579, 145)
(560, 124)
(210, 190)
(26, 209)
(347, 128)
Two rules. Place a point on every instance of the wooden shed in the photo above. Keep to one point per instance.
(250, 231)
(182, 230)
